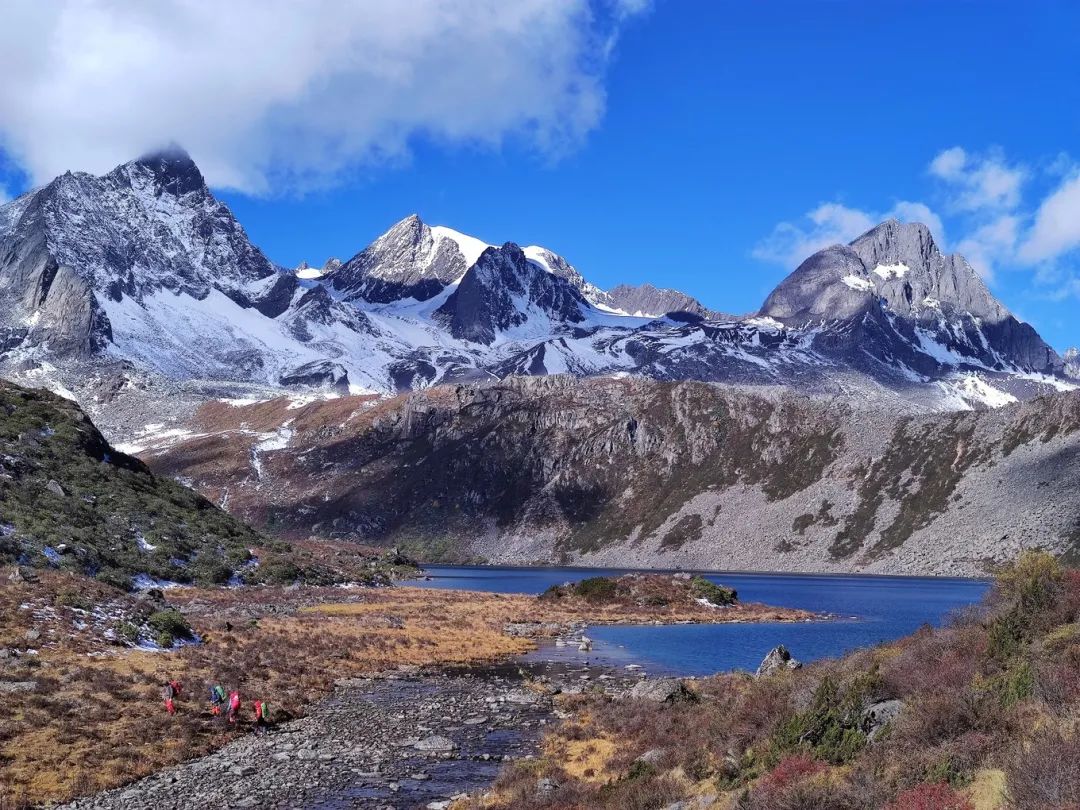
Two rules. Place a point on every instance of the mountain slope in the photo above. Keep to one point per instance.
(892, 294)
(69, 499)
(645, 473)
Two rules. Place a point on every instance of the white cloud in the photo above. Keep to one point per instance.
(266, 93)
(978, 182)
(1056, 226)
(833, 223)
(4, 195)
(990, 244)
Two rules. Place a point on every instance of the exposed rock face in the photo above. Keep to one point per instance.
(645, 299)
(643, 473)
(662, 690)
(143, 273)
(878, 715)
(504, 290)
(893, 295)
(777, 660)
(1071, 360)
(408, 261)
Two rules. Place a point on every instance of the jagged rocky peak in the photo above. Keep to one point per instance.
(411, 260)
(78, 253)
(505, 290)
(892, 294)
(1071, 361)
(912, 275)
(896, 263)
(172, 168)
(830, 285)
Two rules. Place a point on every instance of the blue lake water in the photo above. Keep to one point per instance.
(870, 610)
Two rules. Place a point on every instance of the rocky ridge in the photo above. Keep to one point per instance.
(107, 280)
(641, 473)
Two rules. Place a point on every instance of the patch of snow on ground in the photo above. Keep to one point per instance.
(974, 387)
(857, 283)
(140, 541)
(152, 437)
(144, 582)
(765, 323)
(887, 271)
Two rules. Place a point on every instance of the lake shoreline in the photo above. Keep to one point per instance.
(426, 567)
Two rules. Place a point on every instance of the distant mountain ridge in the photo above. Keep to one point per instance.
(142, 278)
(645, 473)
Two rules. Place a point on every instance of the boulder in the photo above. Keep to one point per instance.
(662, 690)
(546, 786)
(878, 715)
(18, 686)
(435, 744)
(651, 757)
(777, 660)
(55, 488)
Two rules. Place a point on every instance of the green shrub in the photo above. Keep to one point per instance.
(69, 597)
(169, 625)
(702, 588)
(596, 589)
(277, 571)
(831, 728)
(127, 631)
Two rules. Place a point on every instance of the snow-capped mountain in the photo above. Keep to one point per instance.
(142, 273)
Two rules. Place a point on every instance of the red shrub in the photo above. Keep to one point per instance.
(788, 774)
(930, 797)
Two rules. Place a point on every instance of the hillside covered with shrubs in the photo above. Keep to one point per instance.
(70, 501)
(983, 713)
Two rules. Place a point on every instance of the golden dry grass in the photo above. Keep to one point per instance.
(96, 719)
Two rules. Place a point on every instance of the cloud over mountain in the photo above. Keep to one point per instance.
(280, 94)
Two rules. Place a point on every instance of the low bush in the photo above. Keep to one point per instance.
(1045, 773)
(596, 589)
(831, 728)
(930, 797)
(702, 588)
(169, 626)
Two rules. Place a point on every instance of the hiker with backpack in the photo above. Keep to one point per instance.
(170, 692)
(217, 699)
(262, 716)
(234, 705)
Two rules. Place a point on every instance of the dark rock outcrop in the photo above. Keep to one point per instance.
(504, 290)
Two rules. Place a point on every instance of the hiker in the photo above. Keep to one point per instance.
(217, 699)
(234, 705)
(170, 691)
(261, 716)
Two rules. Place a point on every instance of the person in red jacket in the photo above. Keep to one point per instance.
(261, 720)
(169, 692)
(234, 705)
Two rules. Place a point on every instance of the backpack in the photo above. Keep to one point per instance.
(168, 692)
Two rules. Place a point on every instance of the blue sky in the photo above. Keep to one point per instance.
(699, 145)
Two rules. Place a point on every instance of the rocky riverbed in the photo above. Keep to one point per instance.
(400, 740)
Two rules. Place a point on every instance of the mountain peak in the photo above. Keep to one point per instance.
(173, 169)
